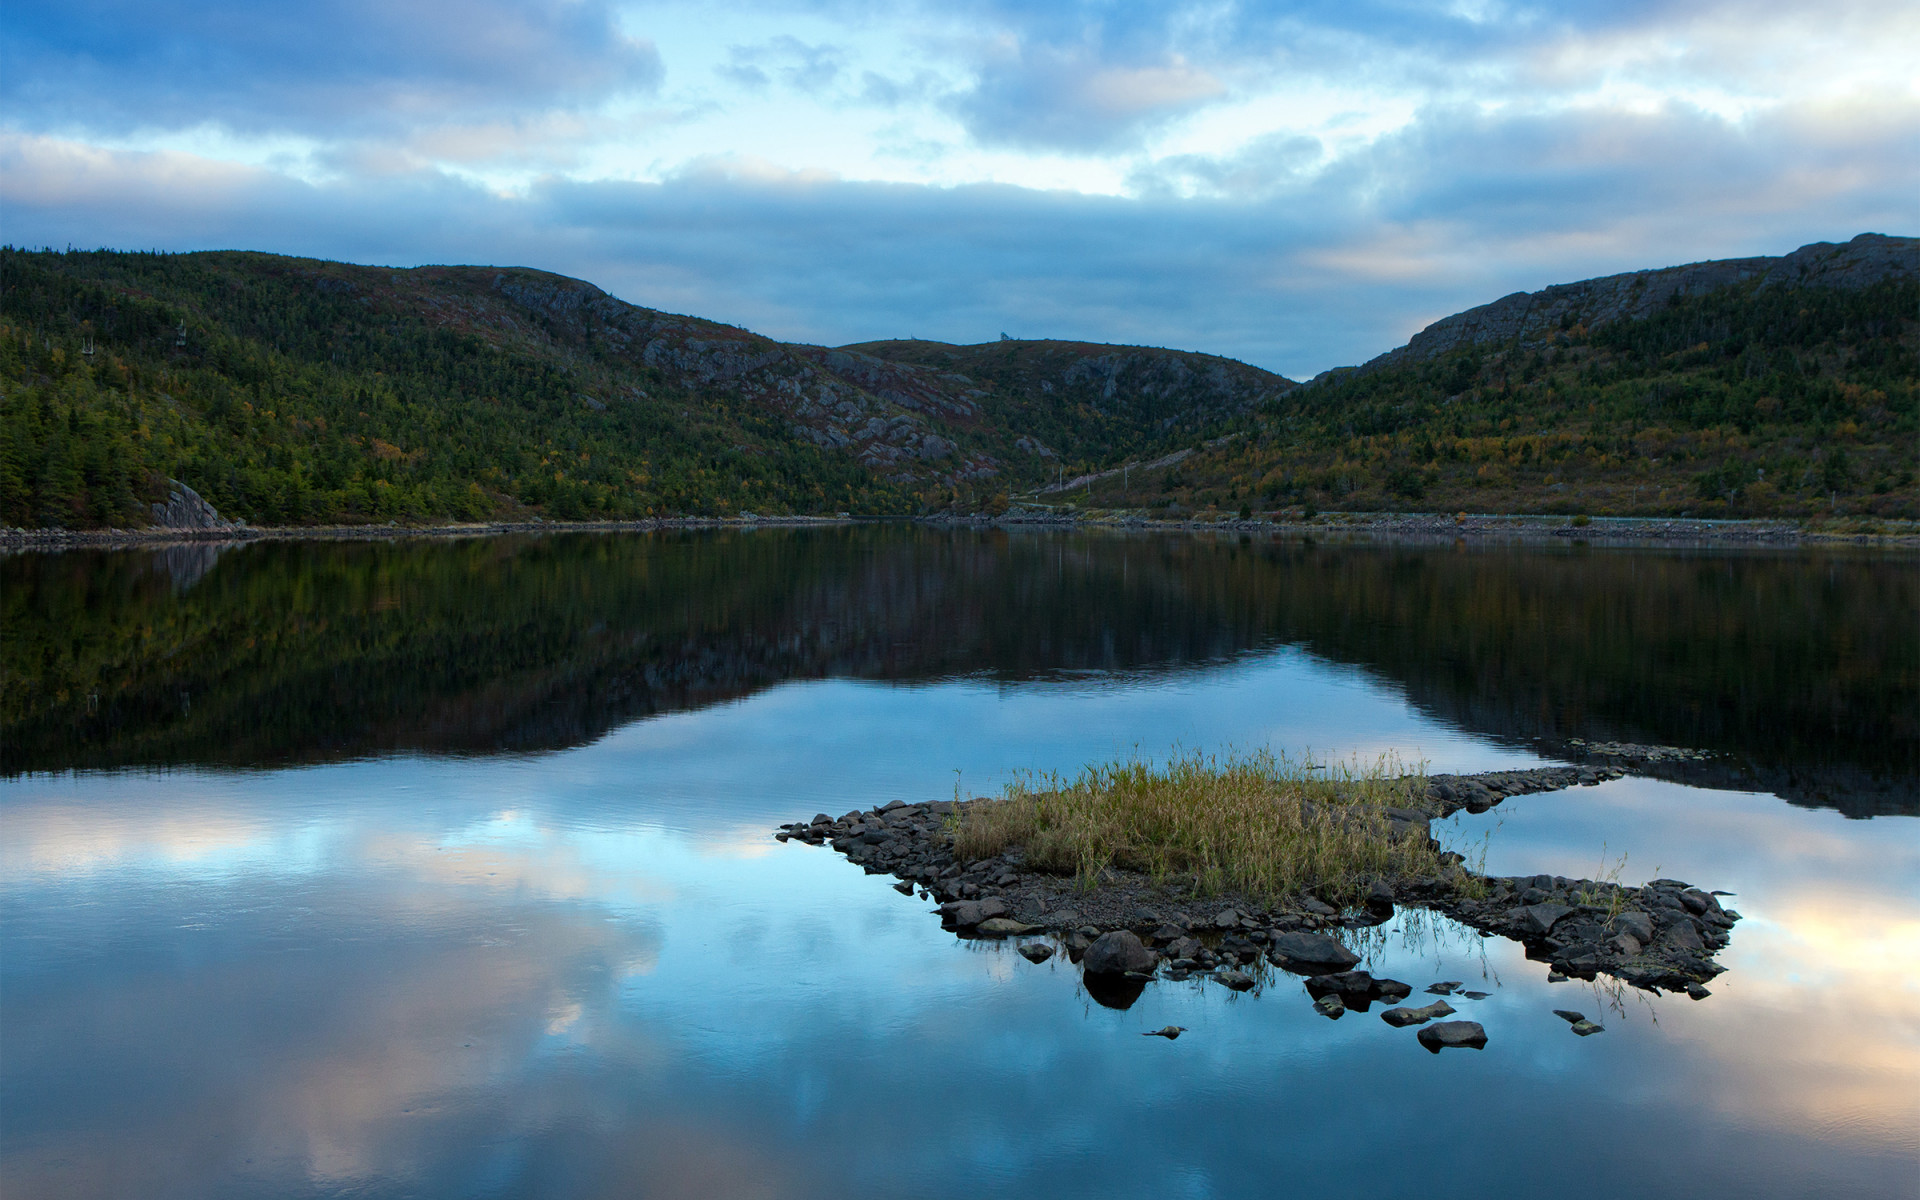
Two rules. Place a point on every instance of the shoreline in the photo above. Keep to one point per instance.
(1416, 528)
(1127, 931)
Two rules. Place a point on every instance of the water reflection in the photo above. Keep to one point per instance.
(1801, 671)
(414, 957)
(488, 998)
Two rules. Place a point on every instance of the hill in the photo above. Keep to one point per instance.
(1753, 387)
(291, 391)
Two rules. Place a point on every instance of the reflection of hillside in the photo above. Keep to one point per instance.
(1803, 671)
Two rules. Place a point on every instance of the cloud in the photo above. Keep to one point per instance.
(1072, 99)
(320, 69)
(799, 65)
(1291, 252)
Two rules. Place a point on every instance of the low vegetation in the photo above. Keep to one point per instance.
(1261, 825)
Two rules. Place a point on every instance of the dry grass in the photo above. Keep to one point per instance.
(1260, 825)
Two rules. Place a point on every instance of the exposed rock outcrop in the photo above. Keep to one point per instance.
(184, 509)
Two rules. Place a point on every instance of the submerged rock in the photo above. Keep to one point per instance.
(1311, 952)
(1036, 952)
(1462, 1035)
(1330, 1005)
(1400, 1018)
(1002, 926)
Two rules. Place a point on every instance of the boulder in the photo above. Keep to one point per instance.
(1464, 1035)
(1343, 984)
(1311, 953)
(1635, 924)
(1682, 936)
(1586, 1028)
(1540, 918)
(1117, 953)
(1036, 952)
(1239, 981)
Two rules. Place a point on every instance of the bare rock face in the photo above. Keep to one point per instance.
(185, 509)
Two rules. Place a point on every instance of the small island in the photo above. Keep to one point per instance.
(1215, 867)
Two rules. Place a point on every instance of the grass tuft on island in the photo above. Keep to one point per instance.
(1258, 825)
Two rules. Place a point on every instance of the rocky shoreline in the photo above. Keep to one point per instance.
(1448, 527)
(1401, 527)
(1126, 931)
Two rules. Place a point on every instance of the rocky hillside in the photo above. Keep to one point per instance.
(288, 390)
(1529, 320)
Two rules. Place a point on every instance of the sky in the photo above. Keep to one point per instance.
(1298, 185)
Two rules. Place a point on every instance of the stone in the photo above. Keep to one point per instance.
(1586, 1028)
(1555, 977)
(1392, 989)
(1063, 918)
(1444, 989)
(1625, 945)
(1330, 1005)
(1168, 1032)
(1239, 981)
(1698, 991)
(821, 819)
(1036, 952)
(1569, 1016)
(1227, 918)
(1318, 907)
(1312, 953)
(1682, 936)
(1002, 926)
(1540, 918)
(904, 887)
(965, 914)
(1342, 983)
(1183, 947)
(1118, 953)
(1168, 932)
(1635, 924)
(1474, 995)
(1380, 897)
(1461, 1035)
(1400, 1018)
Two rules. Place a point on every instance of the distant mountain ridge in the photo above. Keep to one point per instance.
(1524, 320)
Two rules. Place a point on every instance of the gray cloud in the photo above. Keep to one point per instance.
(1078, 98)
(328, 68)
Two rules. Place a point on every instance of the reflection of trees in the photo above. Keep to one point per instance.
(289, 652)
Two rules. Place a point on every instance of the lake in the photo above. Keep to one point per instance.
(445, 868)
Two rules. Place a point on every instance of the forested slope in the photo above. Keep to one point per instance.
(1748, 392)
(292, 391)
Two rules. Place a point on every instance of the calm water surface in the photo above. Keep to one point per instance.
(443, 869)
